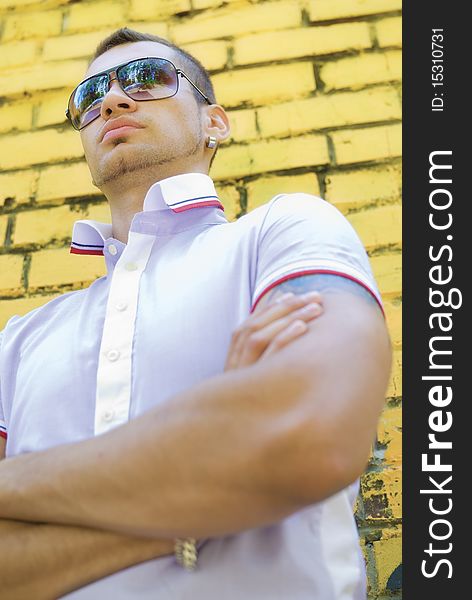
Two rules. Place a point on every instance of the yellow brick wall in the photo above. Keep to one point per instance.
(312, 88)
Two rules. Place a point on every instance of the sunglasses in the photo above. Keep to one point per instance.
(148, 78)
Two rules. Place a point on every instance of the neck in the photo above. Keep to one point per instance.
(126, 198)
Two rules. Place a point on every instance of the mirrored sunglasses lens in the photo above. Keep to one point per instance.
(148, 79)
(87, 99)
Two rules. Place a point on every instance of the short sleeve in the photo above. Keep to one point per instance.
(302, 234)
(3, 425)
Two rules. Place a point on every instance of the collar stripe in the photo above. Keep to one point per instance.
(216, 203)
(88, 245)
(192, 200)
(74, 250)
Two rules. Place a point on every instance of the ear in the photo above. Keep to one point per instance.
(216, 122)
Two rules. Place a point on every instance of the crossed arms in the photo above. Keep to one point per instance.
(248, 447)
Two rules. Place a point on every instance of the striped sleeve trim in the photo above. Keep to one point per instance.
(319, 271)
(3, 429)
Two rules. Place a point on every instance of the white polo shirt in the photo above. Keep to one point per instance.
(160, 322)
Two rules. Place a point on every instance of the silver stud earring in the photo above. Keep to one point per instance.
(211, 141)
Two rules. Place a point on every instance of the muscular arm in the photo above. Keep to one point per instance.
(44, 561)
(239, 450)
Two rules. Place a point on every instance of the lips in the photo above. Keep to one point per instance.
(118, 127)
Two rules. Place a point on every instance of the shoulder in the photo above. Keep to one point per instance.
(300, 206)
(41, 316)
(284, 208)
(303, 216)
(297, 207)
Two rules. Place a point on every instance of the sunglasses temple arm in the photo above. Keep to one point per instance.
(191, 82)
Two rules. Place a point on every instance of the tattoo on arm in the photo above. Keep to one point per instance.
(320, 282)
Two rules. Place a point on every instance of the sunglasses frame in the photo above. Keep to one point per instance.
(114, 71)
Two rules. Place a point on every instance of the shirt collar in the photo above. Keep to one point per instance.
(171, 196)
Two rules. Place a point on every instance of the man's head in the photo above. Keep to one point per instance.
(171, 134)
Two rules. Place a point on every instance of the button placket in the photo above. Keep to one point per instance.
(115, 362)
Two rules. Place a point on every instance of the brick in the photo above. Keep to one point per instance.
(263, 84)
(381, 492)
(388, 556)
(334, 110)
(394, 389)
(5, 4)
(54, 224)
(393, 313)
(259, 157)
(15, 54)
(230, 198)
(15, 3)
(387, 270)
(32, 24)
(11, 270)
(323, 10)
(93, 15)
(213, 54)
(143, 9)
(359, 71)
(389, 434)
(389, 32)
(359, 145)
(306, 41)
(58, 267)
(261, 190)
(378, 226)
(74, 46)
(353, 188)
(47, 76)
(51, 108)
(21, 306)
(243, 125)
(65, 181)
(229, 21)
(3, 229)
(17, 115)
(200, 4)
(43, 146)
(19, 185)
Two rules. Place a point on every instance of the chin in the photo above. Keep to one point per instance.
(118, 163)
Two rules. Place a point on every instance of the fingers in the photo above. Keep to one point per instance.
(277, 333)
(256, 321)
(254, 335)
(281, 306)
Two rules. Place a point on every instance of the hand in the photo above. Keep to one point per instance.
(274, 326)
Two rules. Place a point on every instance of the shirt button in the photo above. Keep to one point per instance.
(113, 355)
(112, 249)
(108, 415)
(131, 266)
(121, 306)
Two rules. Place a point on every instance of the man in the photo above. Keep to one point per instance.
(176, 398)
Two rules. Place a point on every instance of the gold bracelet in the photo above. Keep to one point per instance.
(186, 553)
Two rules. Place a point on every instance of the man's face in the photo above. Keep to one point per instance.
(170, 130)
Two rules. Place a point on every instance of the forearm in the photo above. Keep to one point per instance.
(44, 561)
(208, 462)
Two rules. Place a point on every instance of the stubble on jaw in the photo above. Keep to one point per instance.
(117, 165)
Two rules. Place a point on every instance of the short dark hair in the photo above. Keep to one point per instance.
(191, 65)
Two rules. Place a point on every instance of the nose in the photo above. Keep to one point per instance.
(116, 101)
